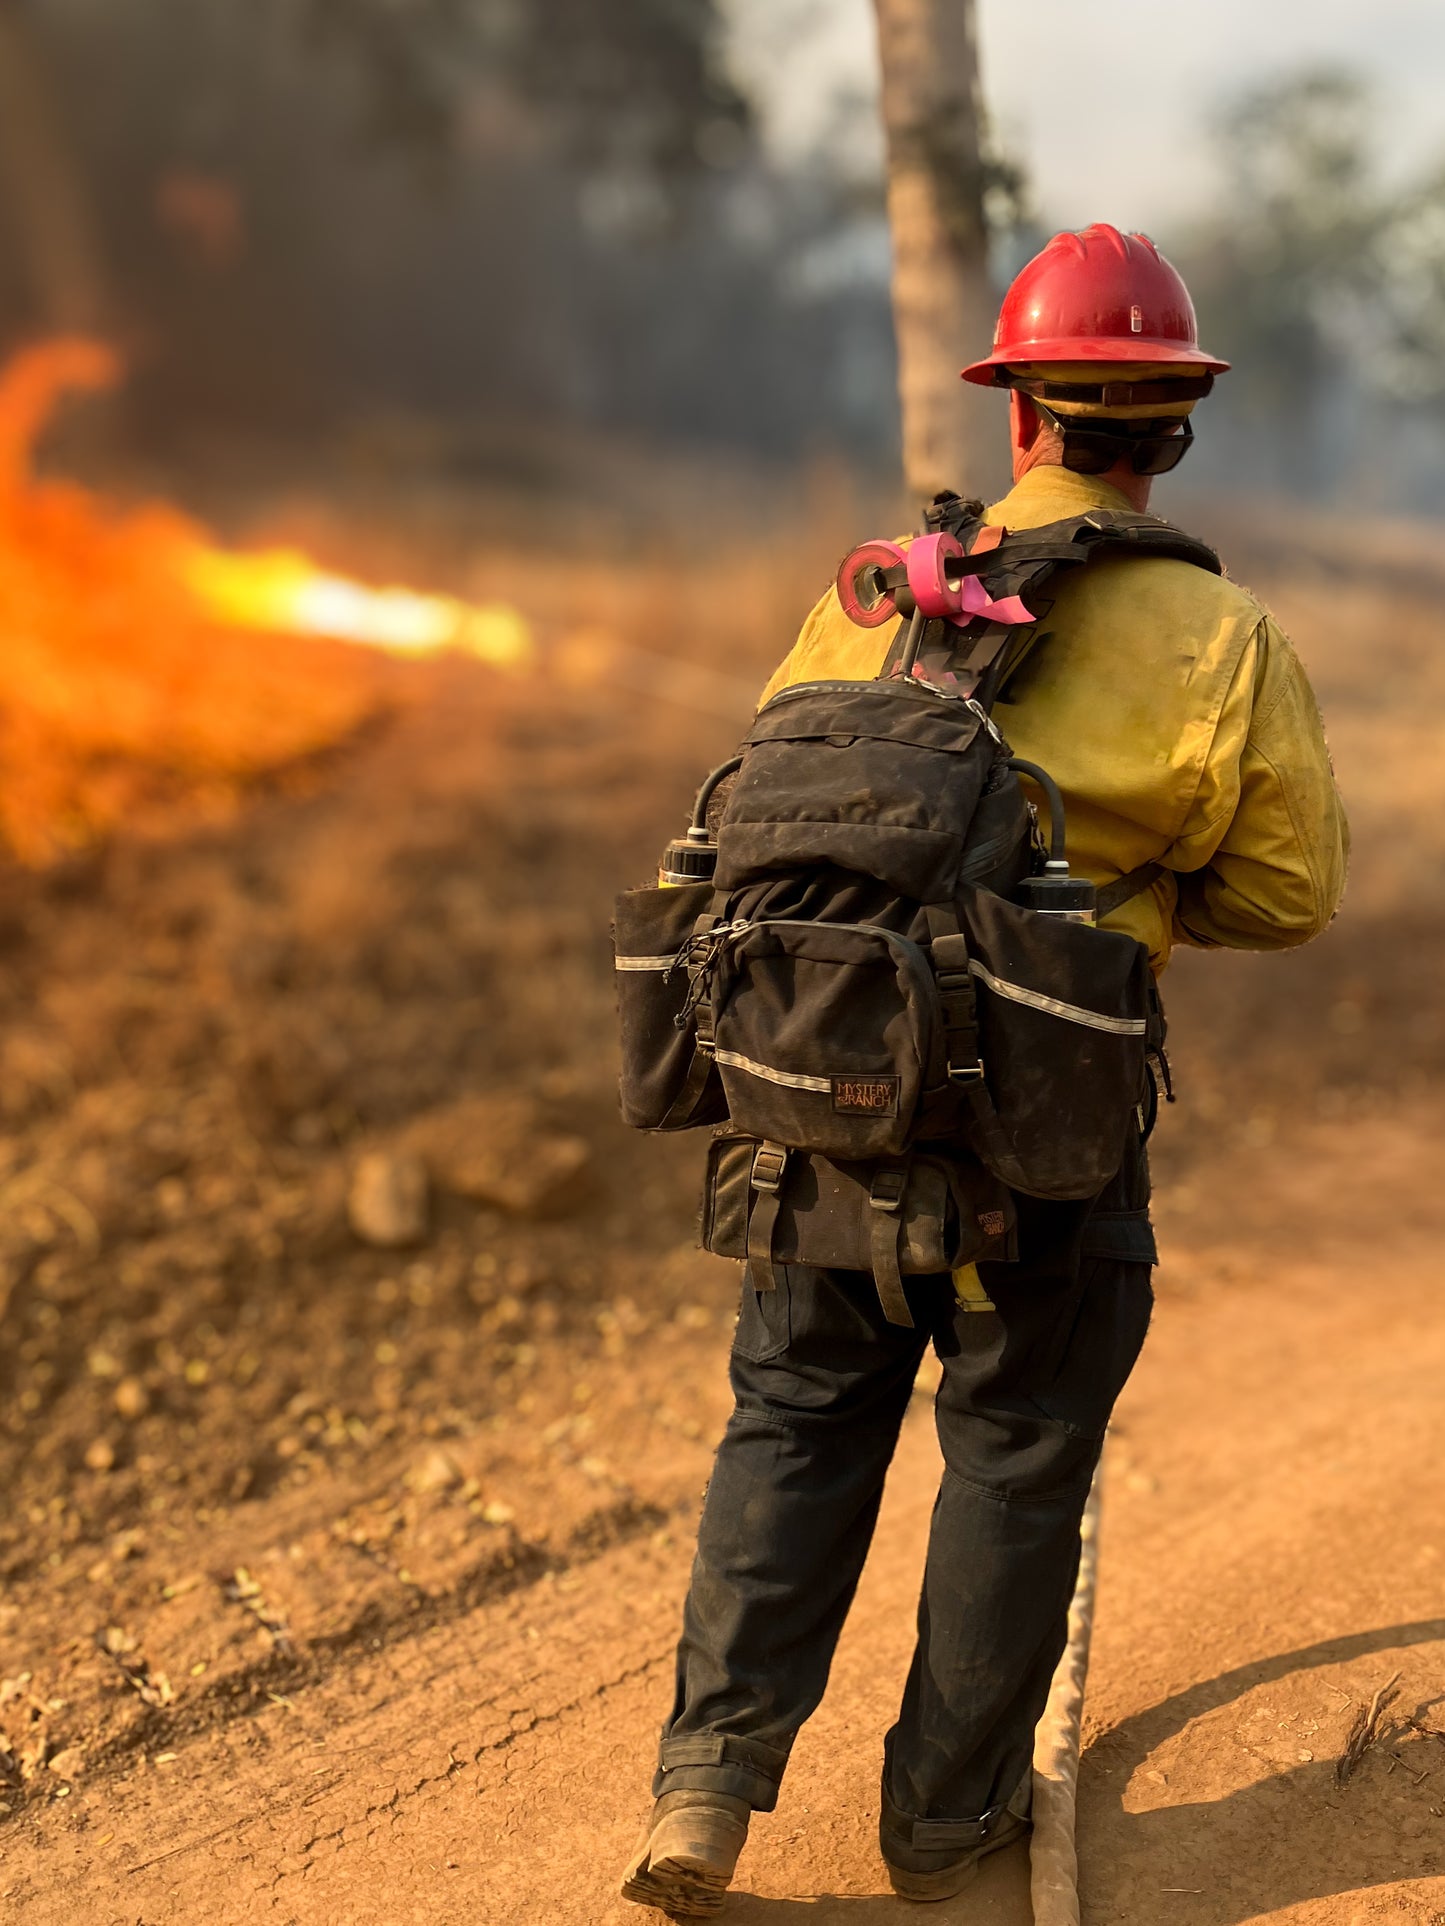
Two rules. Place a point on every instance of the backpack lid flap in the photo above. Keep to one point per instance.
(879, 710)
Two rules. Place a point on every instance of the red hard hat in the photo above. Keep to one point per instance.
(1096, 296)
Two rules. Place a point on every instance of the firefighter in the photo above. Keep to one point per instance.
(1187, 743)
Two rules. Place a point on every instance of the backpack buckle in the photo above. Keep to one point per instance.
(965, 1073)
(769, 1163)
(886, 1192)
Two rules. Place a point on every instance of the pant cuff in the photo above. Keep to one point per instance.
(718, 1762)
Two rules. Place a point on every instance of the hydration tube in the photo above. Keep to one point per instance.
(1056, 892)
(697, 829)
(693, 858)
(1057, 859)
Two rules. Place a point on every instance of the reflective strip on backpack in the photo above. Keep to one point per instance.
(789, 1081)
(643, 962)
(1051, 1006)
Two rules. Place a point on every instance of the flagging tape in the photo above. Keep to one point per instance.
(864, 601)
(1054, 1861)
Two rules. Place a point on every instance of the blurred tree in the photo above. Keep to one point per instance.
(1412, 292)
(42, 188)
(1323, 281)
(938, 182)
(1285, 271)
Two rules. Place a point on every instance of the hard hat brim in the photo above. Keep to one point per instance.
(1118, 350)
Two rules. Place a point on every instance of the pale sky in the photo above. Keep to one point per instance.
(1108, 101)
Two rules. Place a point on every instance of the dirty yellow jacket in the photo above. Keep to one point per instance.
(1179, 725)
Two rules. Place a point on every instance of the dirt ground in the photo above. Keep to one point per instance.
(339, 1583)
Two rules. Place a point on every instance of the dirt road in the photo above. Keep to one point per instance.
(1274, 1552)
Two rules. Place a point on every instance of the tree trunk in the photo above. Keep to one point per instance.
(942, 305)
(43, 190)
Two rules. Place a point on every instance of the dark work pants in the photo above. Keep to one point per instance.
(822, 1382)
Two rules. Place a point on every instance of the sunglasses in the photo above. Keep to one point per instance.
(1097, 449)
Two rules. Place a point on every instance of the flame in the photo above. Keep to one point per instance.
(283, 590)
(140, 658)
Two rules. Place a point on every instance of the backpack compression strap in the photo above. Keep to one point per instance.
(1134, 883)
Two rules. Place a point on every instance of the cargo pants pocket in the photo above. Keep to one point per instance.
(1091, 1361)
(764, 1318)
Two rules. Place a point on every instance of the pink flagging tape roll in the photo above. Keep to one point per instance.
(937, 594)
(862, 596)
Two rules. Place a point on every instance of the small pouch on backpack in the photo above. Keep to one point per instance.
(920, 1216)
(1062, 1024)
(667, 1083)
(826, 1034)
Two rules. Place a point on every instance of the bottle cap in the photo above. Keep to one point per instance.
(685, 861)
(1057, 893)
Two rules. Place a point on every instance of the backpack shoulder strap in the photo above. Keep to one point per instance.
(1022, 563)
(1033, 552)
(1105, 530)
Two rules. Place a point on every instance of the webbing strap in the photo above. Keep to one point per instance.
(693, 1085)
(988, 1136)
(679, 1114)
(1012, 566)
(948, 948)
(769, 1163)
(723, 1748)
(886, 1199)
(958, 999)
(1115, 895)
(951, 1835)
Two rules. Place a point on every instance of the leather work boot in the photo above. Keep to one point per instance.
(685, 1863)
(937, 1858)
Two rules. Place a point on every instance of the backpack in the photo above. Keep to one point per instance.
(861, 967)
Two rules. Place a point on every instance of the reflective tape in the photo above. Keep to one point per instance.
(1051, 1006)
(787, 1078)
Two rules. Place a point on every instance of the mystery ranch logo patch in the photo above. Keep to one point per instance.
(866, 1096)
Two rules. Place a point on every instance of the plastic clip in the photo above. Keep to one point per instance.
(769, 1163)
(887, 1190)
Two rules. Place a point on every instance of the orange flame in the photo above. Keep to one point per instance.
(138, 658)
(282, 589)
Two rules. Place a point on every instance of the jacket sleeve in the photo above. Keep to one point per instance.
(1265, 867)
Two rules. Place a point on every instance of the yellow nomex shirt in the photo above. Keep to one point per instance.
(1179, 725)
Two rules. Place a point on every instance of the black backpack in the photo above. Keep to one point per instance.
(862, 967)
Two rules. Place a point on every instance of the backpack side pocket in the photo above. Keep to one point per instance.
(667, 1083)
(1063, 1021)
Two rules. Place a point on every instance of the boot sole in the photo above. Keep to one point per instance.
(685, 1865)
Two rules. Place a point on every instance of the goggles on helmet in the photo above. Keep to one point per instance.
(1149, 447)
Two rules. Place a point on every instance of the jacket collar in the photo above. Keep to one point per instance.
(1055, 495)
